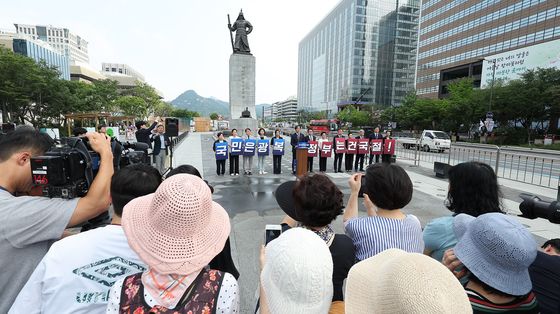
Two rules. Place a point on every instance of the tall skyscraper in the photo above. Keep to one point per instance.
(59, 38)
(455, 35)
(362, 52)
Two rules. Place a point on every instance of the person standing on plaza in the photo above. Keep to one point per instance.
(359, 157)
(143, 133)
(61, 280)
(322, 160)
(276, 159)
(310, 137)
(233, 159)
(220, 163)
(337, 157)
(374, 136)
(248, 160)
(349, 157)
(296, 138)
(176, 232)
(261, 159)
(388, 188)
(386, 158)
(161, 143)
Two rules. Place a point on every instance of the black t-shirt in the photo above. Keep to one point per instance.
(343, 255)
(545, 275)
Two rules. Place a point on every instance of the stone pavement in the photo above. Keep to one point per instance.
(251, 205)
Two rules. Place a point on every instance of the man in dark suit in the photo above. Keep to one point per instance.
(359, 157)
(296, 138)
(308, 138)
(161, 143)
(337, 157)
(374, 136)
(143, 136)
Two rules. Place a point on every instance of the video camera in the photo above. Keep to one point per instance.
(67, 169)
(533, 207)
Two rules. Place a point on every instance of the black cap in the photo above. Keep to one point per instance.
(285, 199)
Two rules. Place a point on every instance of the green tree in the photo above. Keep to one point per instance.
(132, 106)
(163, 109)
(463, 107)
(214, 116)
(184, 113)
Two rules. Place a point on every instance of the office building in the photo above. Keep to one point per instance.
(455, 36)
(38, 51)
(286, 110)
(121, 68)
(84, 73)
(59, 38)
(362, 52)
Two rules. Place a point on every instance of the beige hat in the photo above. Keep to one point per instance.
(395, 281)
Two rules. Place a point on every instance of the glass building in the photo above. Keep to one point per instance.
(38, 51)
(455, 35)
(362, 52)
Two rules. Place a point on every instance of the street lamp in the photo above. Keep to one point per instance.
(327, 109)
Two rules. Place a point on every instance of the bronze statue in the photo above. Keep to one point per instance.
(246, 113)
(242, 28)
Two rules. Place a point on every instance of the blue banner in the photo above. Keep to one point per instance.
(278, 148)
(221, 150)
(262, 147)
(249, 147)
(236, 146)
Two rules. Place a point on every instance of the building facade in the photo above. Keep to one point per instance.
(286, 110)
(456, 35)
(38, 51)
(362, 52)
(59, 38)
(121, 68)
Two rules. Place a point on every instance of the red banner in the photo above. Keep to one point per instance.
(376, 147)
(352, 146)
(340, 147)
(312, 150)
(326, 149)
(363, 145)
(389, 147)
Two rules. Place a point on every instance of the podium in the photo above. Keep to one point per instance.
(301, 159)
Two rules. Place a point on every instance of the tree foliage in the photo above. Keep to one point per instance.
(34, 93)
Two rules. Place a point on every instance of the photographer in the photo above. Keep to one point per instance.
(30, 224)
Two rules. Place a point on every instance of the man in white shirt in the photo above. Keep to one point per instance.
(77, 273)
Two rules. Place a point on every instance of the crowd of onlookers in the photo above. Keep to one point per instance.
(167, 248)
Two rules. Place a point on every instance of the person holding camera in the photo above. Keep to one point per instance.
(143, 135)
(387, 189)
(161, 143)
(29, 224)
(63, 271)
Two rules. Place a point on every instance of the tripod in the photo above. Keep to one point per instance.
(171, 139)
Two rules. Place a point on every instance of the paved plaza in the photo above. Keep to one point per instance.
(251, 205)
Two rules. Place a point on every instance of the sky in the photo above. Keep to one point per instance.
(182, 45)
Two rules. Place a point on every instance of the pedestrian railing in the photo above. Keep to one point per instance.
(534, 166)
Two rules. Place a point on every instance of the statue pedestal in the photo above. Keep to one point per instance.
(243, 123)
(241, 85)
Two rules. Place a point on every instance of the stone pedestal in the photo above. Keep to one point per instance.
(242, 91)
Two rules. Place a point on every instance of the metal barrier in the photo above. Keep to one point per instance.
(533, 166)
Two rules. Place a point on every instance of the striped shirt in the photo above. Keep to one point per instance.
(525, 304)
(374, 234)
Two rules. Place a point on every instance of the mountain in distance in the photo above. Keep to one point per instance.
(191, 101)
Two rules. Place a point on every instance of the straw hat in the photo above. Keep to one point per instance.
(297, 275)
(497, 249)
(178, 229)
(395, 281)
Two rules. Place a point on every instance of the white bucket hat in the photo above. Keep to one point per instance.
(395, 281)
(297, 275)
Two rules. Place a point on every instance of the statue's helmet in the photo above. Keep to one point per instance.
(241, 17)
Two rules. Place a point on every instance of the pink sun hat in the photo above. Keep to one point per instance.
(178, 229)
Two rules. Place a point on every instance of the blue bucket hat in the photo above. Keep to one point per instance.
(497, 249)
